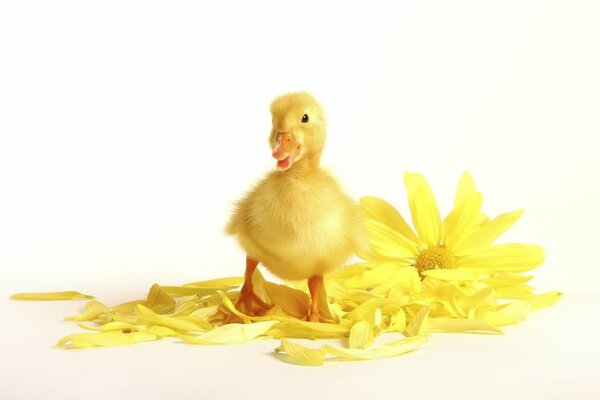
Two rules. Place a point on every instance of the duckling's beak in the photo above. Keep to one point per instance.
(286, 150)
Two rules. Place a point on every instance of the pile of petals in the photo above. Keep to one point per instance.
(445, 276)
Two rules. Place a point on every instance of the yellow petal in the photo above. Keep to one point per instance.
(383, 212)
(504, 257)
(508, 314)
(300, 354)
(335, 289)
(398, 321)
(367, 310)
(206, 312)
(503, 278)
(176, 323)
(294, 328)
(416, 325)
(385, 351)
(445, 294)
(158, 300)
(459, 325)
(93, 310)
(128, 318)
(161, 331)
(124, 327)
(231, 333)
(293, 301)
(466, 216)
(451, 274)
(487, 233)
(258, 280)
(361, 335)
(459, 224)
(465, 191)
(324, 310)
(470, 304)
(545, 300)
(370, 278)
(218, 284)
(105, 339)
(387, 242)
(405, 282)
(188, 290)
(184, 308)
(426, 218)
(128, 307)
(197, 319)
(424, 209)
(521, 292)
(51, 296)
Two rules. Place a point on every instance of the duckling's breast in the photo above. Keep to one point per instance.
(298, 227)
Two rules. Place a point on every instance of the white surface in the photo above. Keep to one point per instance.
(128, 129)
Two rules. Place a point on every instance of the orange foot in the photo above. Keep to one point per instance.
(317, 316)
(318, 300)
(248, 302)
(314, 317)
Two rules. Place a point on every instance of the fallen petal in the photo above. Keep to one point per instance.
(51, 296)
(231, 333)
(105, 339)
(385, 351)
(300, 354)
(361, 335)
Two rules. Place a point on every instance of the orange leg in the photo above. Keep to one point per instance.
(248, 302)
(317, 288)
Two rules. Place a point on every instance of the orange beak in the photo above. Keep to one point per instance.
(286, 150)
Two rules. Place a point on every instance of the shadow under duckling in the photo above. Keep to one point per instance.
(297, 221)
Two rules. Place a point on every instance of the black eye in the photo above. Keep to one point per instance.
(305, 118)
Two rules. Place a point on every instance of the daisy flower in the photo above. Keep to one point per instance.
(464, 273)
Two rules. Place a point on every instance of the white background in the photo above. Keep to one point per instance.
(128, 129)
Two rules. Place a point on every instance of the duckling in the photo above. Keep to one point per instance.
(296, 221)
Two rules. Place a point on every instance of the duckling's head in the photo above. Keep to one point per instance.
(298, 131)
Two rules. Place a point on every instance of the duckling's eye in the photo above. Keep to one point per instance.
(305, 118)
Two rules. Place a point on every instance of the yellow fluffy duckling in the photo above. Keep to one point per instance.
(297, 221)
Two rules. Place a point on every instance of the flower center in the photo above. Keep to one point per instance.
(434, 258)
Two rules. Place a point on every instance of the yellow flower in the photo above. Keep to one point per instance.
(463, 241)
(464, 273)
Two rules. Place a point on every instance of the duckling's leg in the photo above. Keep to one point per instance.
(248, 299)
(317, 289)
